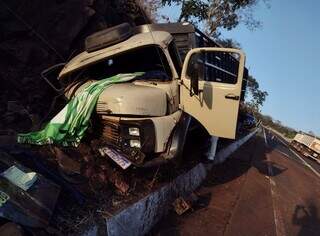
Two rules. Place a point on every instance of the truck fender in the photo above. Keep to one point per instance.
(176, 144)
(178, 138)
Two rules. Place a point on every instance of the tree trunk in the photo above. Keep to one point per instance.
(182, 11)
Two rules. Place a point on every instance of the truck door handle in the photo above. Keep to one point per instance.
(232, 96)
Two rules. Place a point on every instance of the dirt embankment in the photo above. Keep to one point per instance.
(37, 34)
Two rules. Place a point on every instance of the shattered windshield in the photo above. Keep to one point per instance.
(144, 59)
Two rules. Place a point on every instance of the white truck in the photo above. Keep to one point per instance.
(307, 145)
(146, 121)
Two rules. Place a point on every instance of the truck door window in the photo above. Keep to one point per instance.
(221, 67)
(196, 66)
(174, 54)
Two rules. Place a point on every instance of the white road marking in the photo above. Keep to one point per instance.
(285, 154)
(278, 221)
(265, 137)
(276, 214)
(291, 158)
(304, 162)
(280, 231)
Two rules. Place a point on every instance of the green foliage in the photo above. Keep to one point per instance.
(150, 8)
(194, 9)
(276, 125)
(258, 96)
(217, 14)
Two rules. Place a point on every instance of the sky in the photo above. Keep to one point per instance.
(283, 55)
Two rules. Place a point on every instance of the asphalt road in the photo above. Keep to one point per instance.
(265, 188)
(283, 147)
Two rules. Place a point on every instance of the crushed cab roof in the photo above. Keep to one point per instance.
(85, 58)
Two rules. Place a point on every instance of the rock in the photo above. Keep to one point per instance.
(8, 139)
(181, 206)
(11, 229)
(66, 162)
(119, 182)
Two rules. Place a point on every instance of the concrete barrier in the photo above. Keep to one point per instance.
(226, 152)
(140, 217)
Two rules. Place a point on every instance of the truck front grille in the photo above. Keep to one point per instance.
(111, 131)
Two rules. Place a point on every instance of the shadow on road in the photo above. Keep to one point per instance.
(308, 219)
(226, 179)
(269, 168)
(249, 156)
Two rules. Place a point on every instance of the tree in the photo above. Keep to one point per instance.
(150, 8)
(258, 96)
(276, 125)
(217, 14)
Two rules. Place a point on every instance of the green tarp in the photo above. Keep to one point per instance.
(69, 126)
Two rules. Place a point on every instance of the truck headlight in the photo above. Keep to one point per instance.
(135, 143)
(139, 134)
(134, 131)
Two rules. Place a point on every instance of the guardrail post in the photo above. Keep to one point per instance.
(213, 148)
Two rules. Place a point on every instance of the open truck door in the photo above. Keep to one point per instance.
(210, 89)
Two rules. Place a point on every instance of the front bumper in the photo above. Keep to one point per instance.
(154, 136)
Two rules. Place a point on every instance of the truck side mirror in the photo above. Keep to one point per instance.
(194, 89)
(195, 72)
(53, 72)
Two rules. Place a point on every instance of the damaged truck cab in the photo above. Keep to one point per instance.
(145, 121)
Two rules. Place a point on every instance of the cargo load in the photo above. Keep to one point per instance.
(307, 144)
